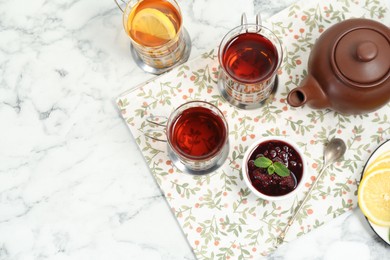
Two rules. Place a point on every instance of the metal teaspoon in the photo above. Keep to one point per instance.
(333, 151)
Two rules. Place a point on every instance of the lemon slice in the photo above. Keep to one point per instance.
(154, 22)
(374, 197)
(383, 155)
(382, 162)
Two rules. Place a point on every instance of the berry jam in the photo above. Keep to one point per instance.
(275, 185)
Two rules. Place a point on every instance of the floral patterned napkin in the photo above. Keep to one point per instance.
(217, 212)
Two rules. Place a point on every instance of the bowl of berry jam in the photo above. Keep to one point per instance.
(274, 168)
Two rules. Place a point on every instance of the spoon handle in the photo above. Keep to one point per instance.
(282, 235)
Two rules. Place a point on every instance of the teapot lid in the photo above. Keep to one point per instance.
(361, 57)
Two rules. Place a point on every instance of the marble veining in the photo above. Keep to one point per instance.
(73, 184)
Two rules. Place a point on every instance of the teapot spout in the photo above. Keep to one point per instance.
(309, 92)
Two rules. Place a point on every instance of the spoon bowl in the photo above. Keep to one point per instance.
(333, 151)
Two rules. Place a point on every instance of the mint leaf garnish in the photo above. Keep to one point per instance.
(272, 167)
(281, 169)
(263, 162)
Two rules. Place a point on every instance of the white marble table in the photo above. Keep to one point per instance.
(73, 184)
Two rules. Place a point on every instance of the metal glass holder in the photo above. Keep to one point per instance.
(160, 134)
(239, 104)
(179, 165)
(228, 86)
(147, 68)
(157, 71)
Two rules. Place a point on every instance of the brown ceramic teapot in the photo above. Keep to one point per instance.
(348, 69)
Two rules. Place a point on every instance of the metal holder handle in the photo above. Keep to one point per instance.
(258, 19)
(119, 6)
(244, 21)
(155, 134)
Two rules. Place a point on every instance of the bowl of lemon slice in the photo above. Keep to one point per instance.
(374, 191)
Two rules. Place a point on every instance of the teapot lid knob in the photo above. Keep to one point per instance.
(366, 51)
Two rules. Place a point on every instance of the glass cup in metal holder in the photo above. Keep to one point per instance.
(163, 130)
(247, 94)
(162, 58)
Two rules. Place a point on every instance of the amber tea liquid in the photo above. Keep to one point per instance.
(168, 16)
(198, 132)
(250, 58)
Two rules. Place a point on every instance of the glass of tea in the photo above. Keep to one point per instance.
(198, 137)
(249, 57)
(158, 39)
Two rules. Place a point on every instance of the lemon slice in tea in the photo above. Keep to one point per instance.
(154, 25)
(374, 196)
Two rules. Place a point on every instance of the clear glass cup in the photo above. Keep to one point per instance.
(249, 56)
(197, 135)
(154, 54)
